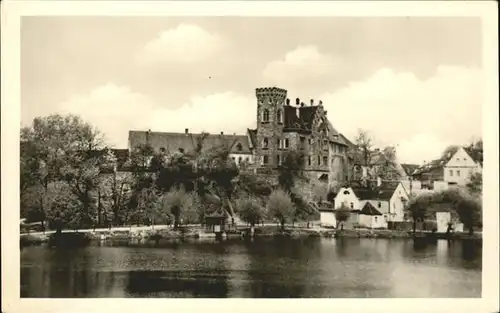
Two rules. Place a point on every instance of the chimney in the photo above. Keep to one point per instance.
(302, 104)
(287, 101)
(222, 133)
(297, 101)
(186, 131)
(147, 136)
(320, 102)
(312, 102)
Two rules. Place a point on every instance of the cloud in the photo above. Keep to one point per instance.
(303, 65)
(115, 110)
(418, 115)
(186, 43)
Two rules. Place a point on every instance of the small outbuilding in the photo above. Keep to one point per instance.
(370, 217)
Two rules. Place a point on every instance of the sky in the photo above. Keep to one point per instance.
(411, 82)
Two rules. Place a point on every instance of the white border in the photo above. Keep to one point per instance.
(10, 27)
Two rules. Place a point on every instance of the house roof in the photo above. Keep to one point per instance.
(475, 154)
(410, 168)
(369, 209)
(172, 142)
(383, 192)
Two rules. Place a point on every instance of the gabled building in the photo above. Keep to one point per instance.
(388, 197)
(463, 163)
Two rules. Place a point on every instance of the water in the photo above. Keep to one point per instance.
(271, 268)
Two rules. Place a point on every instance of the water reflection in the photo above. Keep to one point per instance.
(263, 268)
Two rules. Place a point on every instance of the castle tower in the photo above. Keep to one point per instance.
(270, 123)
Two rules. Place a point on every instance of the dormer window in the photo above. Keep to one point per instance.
(346, 192)
(239, 147)
(265, 116)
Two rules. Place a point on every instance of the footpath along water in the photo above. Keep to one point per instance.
(263, 268)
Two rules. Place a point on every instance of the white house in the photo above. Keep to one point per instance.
(389, 198)
(460, 166)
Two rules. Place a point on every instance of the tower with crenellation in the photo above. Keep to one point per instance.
(270, 124)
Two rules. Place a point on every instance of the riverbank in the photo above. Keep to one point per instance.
(162, 233)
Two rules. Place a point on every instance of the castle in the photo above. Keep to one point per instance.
(281, 127)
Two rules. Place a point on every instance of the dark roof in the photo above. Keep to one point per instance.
(409, 168)
(305, 122)
(475, 154)
(307, 114)
(172, 142)
(369, 209)
(383, 192)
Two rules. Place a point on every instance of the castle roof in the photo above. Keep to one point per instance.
(172, 142)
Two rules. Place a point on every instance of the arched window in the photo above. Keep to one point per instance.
(279, 116)
(265, 115)
(265, 143)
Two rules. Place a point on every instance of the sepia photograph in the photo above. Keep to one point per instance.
(259, 156)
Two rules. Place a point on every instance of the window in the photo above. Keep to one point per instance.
(319, 160)
(287, 143)
(279, 116)
(325, 145)
(265, 159)
(278, 160)
(265, 116)
(375, 219)
(239, 146)
(265, 143)
(247, 159)
(310, 141)
(162, 149)
(451, 172)
(352, 205)
(458, 173)
(379, 204)
(279, 143)
(234, 159)
(325, 160)
(309, 160)
(346, 192)
(239, 160)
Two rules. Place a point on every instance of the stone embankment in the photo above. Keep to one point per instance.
(163, 232)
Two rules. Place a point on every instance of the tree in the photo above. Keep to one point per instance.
(250, 210)
(342, 214)
(468, 208)
(280, 206)
(174, 202)
(475, 184)
(65, 149)
(370, 163)
(291, 169)
(418, 209)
